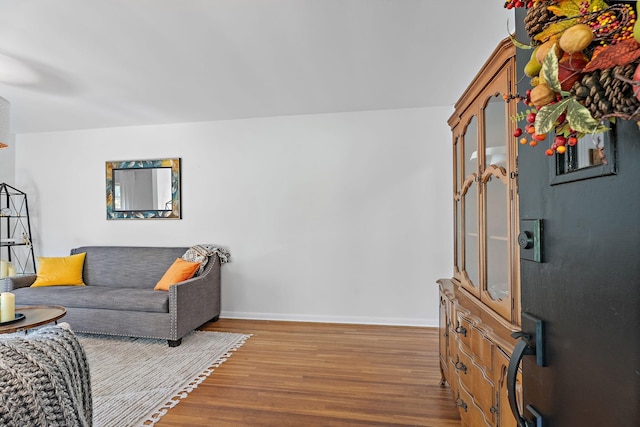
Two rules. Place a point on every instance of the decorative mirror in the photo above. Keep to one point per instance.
(143, 189)
(591, 156)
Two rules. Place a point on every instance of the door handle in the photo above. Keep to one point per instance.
(521, 349)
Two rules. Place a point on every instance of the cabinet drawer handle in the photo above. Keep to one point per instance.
(461, 403)
(461, 330)
(460, 366)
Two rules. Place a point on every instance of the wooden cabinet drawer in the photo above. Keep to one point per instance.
(464, 330)
(484, 393)
(453, 377)
(505, 416)
(482, 348)
(464, 401)
(470, 413)
(464, 367)
(477, 380)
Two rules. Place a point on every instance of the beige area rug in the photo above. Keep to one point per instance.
(134, 381)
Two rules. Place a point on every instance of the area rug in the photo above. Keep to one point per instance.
(134, 381)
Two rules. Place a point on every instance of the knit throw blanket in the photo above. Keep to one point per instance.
(202, 253)
(44, 378)
(210, 250)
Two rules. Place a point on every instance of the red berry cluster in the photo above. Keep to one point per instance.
(560, 143)
(510, 97)
(529, 136)
(584, 7)
(530, 129)
(510, 4)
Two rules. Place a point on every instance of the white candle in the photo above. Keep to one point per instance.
(7, 306)
(11, 271)
(4, 267)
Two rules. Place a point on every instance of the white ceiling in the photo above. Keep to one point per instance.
(78, 64)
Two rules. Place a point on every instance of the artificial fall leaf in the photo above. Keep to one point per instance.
(550, 71)
(580, 118)
(569, 10)
(609, 56)
(554, 29)
(565, 8)
(597, 5)
(547, 115)
(564, 129)
(573, 7)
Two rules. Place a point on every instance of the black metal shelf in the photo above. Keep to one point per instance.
(15, 230)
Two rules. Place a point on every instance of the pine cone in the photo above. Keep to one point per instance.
(623, 95)
(605, 95)
(537, 18)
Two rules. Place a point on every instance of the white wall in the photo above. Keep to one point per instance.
(7, 163)
(340, 217)
(7, 156)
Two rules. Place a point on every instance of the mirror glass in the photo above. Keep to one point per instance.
(591, 156)
(143, 189)
(586, 152)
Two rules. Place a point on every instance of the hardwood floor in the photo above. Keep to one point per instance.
(313, 374)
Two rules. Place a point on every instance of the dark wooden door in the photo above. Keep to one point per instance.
(586, 290)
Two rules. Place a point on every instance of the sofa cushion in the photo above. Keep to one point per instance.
(103, 297)
(55, 271)
(127, 266)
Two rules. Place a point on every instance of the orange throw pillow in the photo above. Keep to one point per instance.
(180, 270)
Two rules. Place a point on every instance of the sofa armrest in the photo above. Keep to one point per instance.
(16, 282)
(195, 301)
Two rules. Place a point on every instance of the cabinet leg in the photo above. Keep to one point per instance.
(443, 380)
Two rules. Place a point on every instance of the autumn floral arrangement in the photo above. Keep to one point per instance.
(584, 69)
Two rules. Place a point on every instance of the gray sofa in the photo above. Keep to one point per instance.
(119, 299)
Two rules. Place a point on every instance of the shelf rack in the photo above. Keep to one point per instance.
(16, 245)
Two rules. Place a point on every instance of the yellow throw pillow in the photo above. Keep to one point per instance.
(55, 271)
(180, 270)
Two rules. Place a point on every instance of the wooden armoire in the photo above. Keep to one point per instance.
(555, 320)
(480, 304)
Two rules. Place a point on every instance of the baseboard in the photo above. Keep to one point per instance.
(330, 319)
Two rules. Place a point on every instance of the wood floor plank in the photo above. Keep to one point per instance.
(318, 374)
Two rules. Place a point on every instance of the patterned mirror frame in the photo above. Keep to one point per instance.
(174, 213)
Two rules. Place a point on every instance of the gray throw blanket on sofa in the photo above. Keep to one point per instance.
(44, 378)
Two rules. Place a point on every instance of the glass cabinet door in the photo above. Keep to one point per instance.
(497, 247)
(469, 206)
(497, 205)
(485, 199)
(457, 208)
